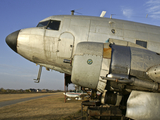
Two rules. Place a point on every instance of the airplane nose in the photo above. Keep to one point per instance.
(11, 40)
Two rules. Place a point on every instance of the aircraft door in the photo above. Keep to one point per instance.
(65, 45)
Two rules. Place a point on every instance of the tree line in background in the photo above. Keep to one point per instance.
(31, 90)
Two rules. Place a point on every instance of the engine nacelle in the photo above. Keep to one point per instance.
(87, 64)
(154, 73)
(93, 60)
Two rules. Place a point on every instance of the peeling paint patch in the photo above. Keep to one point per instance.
(107, 53)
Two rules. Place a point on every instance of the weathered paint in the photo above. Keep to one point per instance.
(107, 53)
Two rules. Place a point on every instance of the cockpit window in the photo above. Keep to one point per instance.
(141, 43)
(52, 24)
(43, 24)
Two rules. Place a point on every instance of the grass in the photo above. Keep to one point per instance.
(46, 108)
(6, 97)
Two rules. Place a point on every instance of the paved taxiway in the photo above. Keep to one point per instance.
(5, 103)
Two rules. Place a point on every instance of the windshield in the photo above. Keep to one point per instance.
(43, 24)
(51, 24)
(54, 25)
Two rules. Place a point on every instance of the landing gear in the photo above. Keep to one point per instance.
(102, 112)
(112, 108)
(39, 75)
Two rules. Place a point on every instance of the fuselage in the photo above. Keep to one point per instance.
(55, 38)
(115, 57)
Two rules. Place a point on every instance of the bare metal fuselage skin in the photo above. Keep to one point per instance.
(50, 47)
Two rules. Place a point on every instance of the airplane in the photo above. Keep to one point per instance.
(120, 59)
(76, 94)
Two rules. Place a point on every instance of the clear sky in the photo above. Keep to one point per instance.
(17, 72)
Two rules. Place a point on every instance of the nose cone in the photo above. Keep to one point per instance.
(11, 40)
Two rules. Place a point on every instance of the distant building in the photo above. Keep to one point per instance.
(33, 90)
(44, 90)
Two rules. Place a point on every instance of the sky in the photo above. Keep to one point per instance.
(18, 73)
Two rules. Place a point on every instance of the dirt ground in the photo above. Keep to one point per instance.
(46, 108)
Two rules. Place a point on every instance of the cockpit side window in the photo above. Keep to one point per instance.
(141, 43)
(54, 25)
(43, 24)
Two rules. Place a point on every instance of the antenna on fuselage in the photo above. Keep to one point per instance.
(75, 11)
(72, 12)
(103, 14)
(111, 16)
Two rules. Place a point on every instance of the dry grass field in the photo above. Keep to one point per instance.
(7, 97)
(46, 108)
